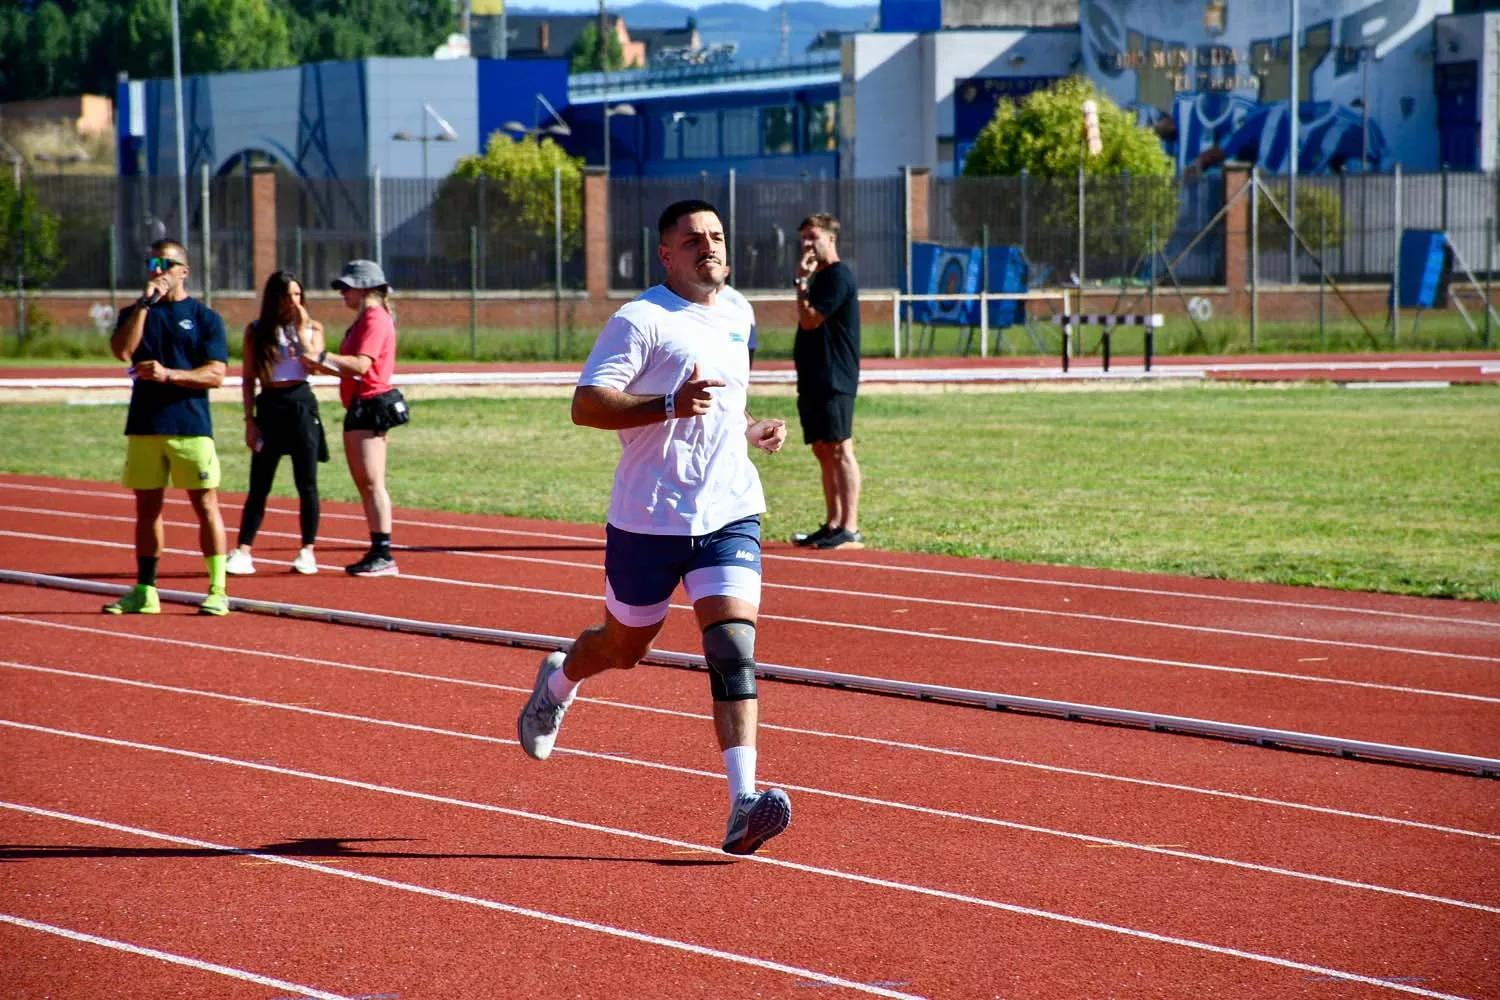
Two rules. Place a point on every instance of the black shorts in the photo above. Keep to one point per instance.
(378, 413)
(826, 417)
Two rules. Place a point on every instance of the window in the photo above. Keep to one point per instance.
(739, 132)
(777, 132)
(822, 127)
(700, 136)
(671, 139)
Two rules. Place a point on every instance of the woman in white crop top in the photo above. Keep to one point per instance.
(282, 419)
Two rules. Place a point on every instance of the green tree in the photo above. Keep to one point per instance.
(1129, 187)
(328, 30)
(584, 54)
(29, 247)
(1320, 217)
(508, 193)
(216, 35)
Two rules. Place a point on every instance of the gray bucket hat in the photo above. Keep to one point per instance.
(361, 274)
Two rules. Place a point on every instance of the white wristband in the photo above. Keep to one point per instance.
(671, 401)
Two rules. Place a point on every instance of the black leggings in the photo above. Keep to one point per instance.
(289, 425)
(263, 473)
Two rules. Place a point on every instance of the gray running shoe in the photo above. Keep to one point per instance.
(755, 819)
(542, 717)
(811, 538)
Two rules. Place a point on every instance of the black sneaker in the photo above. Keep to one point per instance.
(811, 538)
(374, 564)
(841, 539)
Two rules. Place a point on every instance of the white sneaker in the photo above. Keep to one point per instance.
(542, 717)
(306, 563)
(239, 563)
(755, 819)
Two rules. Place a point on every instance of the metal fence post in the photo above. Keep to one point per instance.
(906, 239)
(473, 292)
(1396, 258)
(1322, 284)
(1489, 276)
(1025, 176)
(297, 252)
(733, 228)
(1081, 242)
(19, 239)
(1254, 256)
(557, 260)
(645, 257)
(375, 215)
(114, 269)
(204, 204)
(984, 290)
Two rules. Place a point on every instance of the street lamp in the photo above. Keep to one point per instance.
(628, 110)
(445, 133)
(559, 127)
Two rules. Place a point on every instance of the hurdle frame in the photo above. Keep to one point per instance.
(1150, 321)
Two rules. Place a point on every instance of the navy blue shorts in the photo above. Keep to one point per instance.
(642, 571)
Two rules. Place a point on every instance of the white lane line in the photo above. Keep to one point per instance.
(164, 956)
(946, 814)
(822, 734)
(863, 594)
(1150, 661)
(822, 564)
(489, 904)
(832, 873)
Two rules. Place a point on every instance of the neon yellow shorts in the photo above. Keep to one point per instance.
(192, 462)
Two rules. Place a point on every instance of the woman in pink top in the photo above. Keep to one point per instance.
(364, 364)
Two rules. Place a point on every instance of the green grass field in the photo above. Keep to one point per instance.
(1382, 489)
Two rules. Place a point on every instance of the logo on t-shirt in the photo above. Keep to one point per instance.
(736, 337)
(186, 324)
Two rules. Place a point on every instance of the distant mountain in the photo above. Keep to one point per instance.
(756, 30)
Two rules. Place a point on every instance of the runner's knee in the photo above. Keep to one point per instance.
(729, 648)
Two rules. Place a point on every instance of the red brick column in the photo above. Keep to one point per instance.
(263, 224)
(1237, 229)
(921, 189)
(596, 233)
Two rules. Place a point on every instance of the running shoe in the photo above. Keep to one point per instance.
(755, 819)
(306, 563)
(374, 564)
(542, 717)
(216, 603)
(811, 538)
(841, 539)
(239, 563)
(138, 600)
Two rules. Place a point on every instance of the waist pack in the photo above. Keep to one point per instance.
(382, 412)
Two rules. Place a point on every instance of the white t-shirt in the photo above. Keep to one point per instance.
(692, 475)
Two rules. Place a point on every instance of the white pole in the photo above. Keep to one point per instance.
(906, 237)
(207, 257)
(1291, 194)
(182, 216)
(377, 223)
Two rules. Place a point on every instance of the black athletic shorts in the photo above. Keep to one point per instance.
(378, 413)
(826, 417)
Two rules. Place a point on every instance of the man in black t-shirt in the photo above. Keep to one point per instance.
(177, 352)
(826, 353)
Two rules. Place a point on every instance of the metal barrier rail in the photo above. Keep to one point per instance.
(1484, 767)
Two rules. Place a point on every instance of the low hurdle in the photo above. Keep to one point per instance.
(1151, 321)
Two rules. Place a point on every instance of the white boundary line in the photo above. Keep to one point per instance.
(166, 956)
(598, 568)
(122, 496)
(821, 734)
(1156, 722)
(1012, 908)
(947, 814)
(454, 897)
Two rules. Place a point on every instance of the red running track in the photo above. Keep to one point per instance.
(262, 807)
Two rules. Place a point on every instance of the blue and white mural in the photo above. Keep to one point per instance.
(1214, 78)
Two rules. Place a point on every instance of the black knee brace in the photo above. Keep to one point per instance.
(729, 648)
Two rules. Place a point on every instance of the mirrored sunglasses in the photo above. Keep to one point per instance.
(163, 263)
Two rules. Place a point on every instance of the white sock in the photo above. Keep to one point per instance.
(560, 687)
(739, 765)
